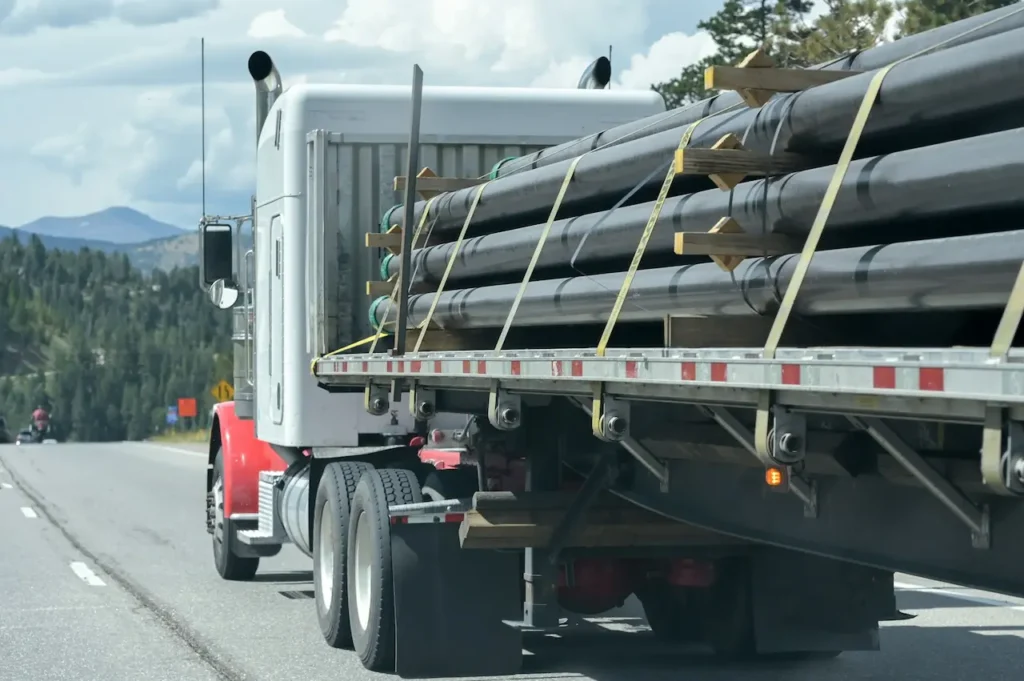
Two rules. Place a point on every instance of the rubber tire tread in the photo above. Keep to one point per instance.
(377, 491)
(229, 566)
(337, 485)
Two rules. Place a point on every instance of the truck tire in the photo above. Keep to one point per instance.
(330, 548)
(372, 614)
(229, 565)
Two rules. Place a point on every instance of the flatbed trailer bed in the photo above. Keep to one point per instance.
(952, 518)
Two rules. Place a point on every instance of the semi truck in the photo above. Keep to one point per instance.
(460, 483)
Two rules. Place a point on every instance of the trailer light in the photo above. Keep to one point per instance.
(774, 477)
(437, 436)
(417, 441)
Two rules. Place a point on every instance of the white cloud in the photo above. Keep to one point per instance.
(26, 16)
(274, 24)
(103, 95)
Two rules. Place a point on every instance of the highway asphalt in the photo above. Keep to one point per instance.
(106, 574)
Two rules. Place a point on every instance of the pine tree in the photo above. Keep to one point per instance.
(740, 27)
(922, 15)
(845, 27)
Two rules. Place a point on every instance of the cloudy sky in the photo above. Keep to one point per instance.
(100, 98)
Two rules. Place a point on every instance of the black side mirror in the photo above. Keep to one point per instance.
(216, 245)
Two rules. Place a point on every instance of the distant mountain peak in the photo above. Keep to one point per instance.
(117, 225)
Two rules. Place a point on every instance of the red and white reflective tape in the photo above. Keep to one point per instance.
(963, 374)
(427, 518)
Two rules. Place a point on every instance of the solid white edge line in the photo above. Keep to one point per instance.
(980, 600)
(86, 575)
(28, 512)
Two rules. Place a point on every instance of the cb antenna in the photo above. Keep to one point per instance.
(202, 107)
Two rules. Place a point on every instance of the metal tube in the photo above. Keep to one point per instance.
(867, 60)
(961, 273)
(914, 108)
(268, 86)
(978, 173)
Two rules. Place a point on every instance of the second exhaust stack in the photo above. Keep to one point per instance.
(268, 86)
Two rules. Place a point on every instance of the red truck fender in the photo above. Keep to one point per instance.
(244, 456)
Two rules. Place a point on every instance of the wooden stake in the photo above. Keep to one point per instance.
(755, 79)
(728, 245)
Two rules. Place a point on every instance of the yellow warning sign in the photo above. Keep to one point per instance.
(223, 392)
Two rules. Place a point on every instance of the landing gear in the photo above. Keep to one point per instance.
(331, 548)
(229, 564)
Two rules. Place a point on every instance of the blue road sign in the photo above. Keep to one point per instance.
(172, 415)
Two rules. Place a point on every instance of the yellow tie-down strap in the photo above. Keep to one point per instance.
(351, 346)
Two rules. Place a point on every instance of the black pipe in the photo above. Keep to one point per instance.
(915, 106)
(900, 190)
(962, 273)
(867, 60)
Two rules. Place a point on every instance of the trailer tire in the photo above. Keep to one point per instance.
(370, 577)
(330, 548)
(230, 566)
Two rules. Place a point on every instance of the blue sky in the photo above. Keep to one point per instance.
(100, 98)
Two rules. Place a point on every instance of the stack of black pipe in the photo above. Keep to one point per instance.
(928, 216)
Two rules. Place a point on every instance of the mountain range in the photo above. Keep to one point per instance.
(149, 243)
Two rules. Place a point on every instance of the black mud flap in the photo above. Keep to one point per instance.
(804, 603)
(451, 605)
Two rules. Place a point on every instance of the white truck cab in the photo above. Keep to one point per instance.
(331, 152)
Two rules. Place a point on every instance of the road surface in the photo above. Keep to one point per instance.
(106, 574)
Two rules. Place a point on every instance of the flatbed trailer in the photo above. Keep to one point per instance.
(754, 498)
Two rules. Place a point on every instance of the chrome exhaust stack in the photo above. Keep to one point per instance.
(597, 75)
(268, 86)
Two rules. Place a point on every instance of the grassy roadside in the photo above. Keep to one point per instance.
(181, 436)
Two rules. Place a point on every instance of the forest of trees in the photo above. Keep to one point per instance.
(786, 30)
(108, 349)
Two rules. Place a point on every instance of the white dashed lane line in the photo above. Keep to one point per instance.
(6, 485)
(29, 512)
(86, 574)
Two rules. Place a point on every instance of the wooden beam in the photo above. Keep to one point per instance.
(519, 530)
(390, 240)
(738, 332)
(376, 289)
(728, 164)
(755, 79)
(487, 502)
(728, 245)
(437, 185)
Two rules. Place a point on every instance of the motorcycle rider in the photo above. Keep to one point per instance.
(40, 419)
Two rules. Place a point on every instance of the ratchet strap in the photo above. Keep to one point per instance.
(825, 209)
(762, 423)
(396, 289)
(448, 268)
(379, 333)
(536, 251)
(638, 255)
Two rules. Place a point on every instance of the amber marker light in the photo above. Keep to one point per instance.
(774, 477)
